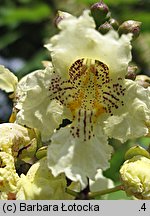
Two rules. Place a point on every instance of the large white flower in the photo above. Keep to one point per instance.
(86, 85)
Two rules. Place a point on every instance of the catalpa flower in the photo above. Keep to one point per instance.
(85, 84)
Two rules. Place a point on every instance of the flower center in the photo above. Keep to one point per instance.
(87, 76)
(88, 93)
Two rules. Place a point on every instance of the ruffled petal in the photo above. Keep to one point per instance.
(36, 109)
(130, 121)
(77, 158)
(78, 39)
(8, 81)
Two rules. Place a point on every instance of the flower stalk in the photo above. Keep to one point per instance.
(92, 195)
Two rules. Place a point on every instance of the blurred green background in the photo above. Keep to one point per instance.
(26, 25)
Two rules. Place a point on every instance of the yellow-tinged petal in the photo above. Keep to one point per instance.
(8, 175)
(40, 184)
(3, 196)
(8, 81)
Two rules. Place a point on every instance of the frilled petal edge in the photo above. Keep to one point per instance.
(130, 121)
(76, 158)
(36, 109)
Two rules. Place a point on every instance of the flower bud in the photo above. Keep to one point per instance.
(136, 150)
(41, 152)
(130, 26)
(104, 28)
(143, 80)
(131, 74)
(99, 11)
(135, 175)
(114, 23)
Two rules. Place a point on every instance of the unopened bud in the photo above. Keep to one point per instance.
(135, 177)
(114, 23)
(136, 150)
(99, 11)
(131, 74)
(41, 152)
(130, 26)
(104, 28)
(143, 80)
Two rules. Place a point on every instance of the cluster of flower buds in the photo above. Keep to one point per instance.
(105, 22)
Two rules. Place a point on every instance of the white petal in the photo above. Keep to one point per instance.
(36, 109)
(8, 81)
(70, 20)
(79, 39)
(130, 120)
(78, 159)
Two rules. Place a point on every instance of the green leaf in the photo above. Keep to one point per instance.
(14, 16)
